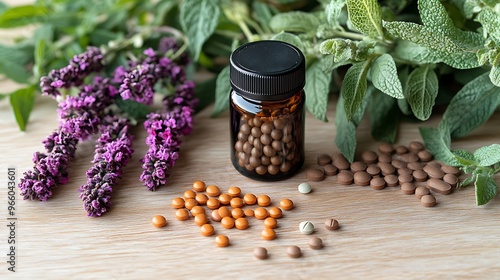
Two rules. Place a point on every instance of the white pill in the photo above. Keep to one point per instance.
(305, 188)
(306, 227)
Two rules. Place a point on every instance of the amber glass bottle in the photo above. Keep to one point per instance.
(267, 110)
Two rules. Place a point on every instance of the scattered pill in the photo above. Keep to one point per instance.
(201, 198)
(241, 223)
(408, 188)
(304, 188)
(270, 222)
(416, 146)
(401, 150)
(237, 213)
(190, 203)
(261, 213)
(178, 202)
(268, 234)
(286, 204)
(433, 171)
(345, 177)
(215, 216)
(306, 227)
(369, 157)
(224, 199)
(213, 203)
(221, 241)
(428, 200)
(341, 162)
(275, 212)
(405, 178)
(385, 148)
(188, 194)
(207, 230)
(260, 253)
(391, 180)
(263, 200)
(373, 170)
(384, 158)
(249, 199)
(410, 157)
(315, 174)
(398, 163)
(358, 166)
(415, 166)
(236, 202)
(315, 243)
(362, 178)
(377, 183)
(331, 224)
(197, 210)
(227, 222)
(234, 191)
(182, 214)
(330, 170)
(421, 191)
(439, 186)
(224, 212)
(213, 191)
(200, 219)
(199, 186)
(451, 179)
(419, 175)
(159, 221)
(323, 159)
(248, 212)
(386, 168)
(425, 156)
(293, 251)
(450, 169)
(404, 171)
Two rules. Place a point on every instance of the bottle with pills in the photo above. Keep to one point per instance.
(267, 105)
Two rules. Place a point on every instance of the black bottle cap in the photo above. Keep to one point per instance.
(267, 70)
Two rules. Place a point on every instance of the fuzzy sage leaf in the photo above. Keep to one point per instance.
(333, 11)
(296, 21)
(384, 76)
(222, 91)
(486, 189)
(289, 38)
(354, 87)
(421, 91)
(438, 143)
(22, 101)
(487, 156)
(366, 16)
(316, 88)
(345, 138)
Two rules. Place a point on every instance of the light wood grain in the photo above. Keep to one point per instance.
(384, 234)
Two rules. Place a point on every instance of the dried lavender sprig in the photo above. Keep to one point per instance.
(112, 153)
(80, 66)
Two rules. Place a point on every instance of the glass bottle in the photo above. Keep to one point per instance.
(267, 105)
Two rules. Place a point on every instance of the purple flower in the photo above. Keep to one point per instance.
(112, 153)
(80, 66)
(170, 44)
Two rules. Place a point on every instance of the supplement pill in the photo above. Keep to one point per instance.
(227, 222)
(306, 227)
(345, 177)
(260, 253)
(197, 210)
(331, 224)
(189, 194)
(207, 230)
(425, 156)
(433, 172)
(224, 211)
(358, 166)
(323, 159)
(190, 203)
(241, 223)
(237, 213)
(439, 186)
(340, 162)
(362, 178)
(215, 216)
(178, 202)
(293, 251)
(221, 241)
(182, 214)
(369, 157)
(408, 188)
(268, 234)
(236, 202)
(330, 170)
(421, 191)
(451, 179)
(286, 204)
(201, 198)
(249, 199)
(213, 191)
(200, 219)
(270, 222)
(213, 203)
(234, 191)
(315, 243)
(159, 221)
(377, 183)
(248, 212)
(261, 213)
(199, 186)
(391, 180)
(385, 148)
(275, 212)
(225, 199)
(315, 174)
(304, 188)
(428, 200)
(263, 200)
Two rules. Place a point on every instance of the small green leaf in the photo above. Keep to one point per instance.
(333, 11)
(134, 110)
(437, 141)
(422, 89)
(384, 117)
(345, 135)
(384, 76)
(472, 106)
(366, 16)
(495, 75)
(290, 39)
(341, 49)
(415, 53)
(490, 21)
(486, 189)
(22, 15)
(262, 13)
(199, 19)
(296, 21)
(22, 101)
(489, 155)
(328, 63)
(317, 89)
(466, 182)
(354, 87)
(222, 92)
(465, 157)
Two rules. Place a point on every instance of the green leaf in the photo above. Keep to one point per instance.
(489, 155)
(403, 103)
(262, 13)
(317, 89)
(296, 21)
(366, 16)
(465, 157)
(333, 11)
(384, 76)
(290, 39)
(384, 117)
(490, 22)
(486, 189)
(354, 87)
(22, 101)
(345, 138)
(472, 106)
(328, 63)
(466, 182)
(341, 49)
(415, 53)
(222, 92)
(134, 110)
(199, 19)
(437, 142)
(495, 75)
(22, 15)
(422, 89)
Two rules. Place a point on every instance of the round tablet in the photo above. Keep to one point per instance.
(260, 253)
(293, 251)
(306, 227)
(315, 243)
(304, 188)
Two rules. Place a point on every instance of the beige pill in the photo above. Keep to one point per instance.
(421, 191)
(428, 200)
(451, 179)
(362, 178)
(386, 168)
(450, 170)
(391, 180)
(385, 148)
(384, 158)
(425, 156)
(408, 188)
(340, 162)
(438, 186)
(433, 171)
(419, 175)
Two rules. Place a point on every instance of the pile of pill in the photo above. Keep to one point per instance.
(411, 168)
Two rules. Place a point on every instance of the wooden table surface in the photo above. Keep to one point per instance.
(384, 234)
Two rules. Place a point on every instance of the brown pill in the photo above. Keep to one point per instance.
(428, 200)
(159, 221)
(404, 171)
(249, 199)
(199, 186)
(200, 219)
(275, 212)
(385, 148)
(362, 178)
(331, 224)
(268, 234)
(410, 157)
(257, 122)
(213, 191)
(293, 251)
(450, 169)
(386, 168)
(323, 159)
(341, 162)
(391, 180)
(189, 194)
(213, 203)
(207, 230)
(234, 191)
(224, 211)
(237, 202)
(261, 213)
(270, 222)
(241, 223)
(384, 158)
(419, 175)
(197, 210)
(330, 170)
(263, 200)
(451, 179)
(237, 213)
(221, 240)
(227, 222)
(178, 202)
(425, 156)
(182, 214)
(373, 170)
(215, 216)
(439, 186)
(358, 166)
(248, 212)
(408, 188)
(260, 253)
(434, 164)
(315, 174)
(415, 166)
(190, 203)
(433, 171)
(369, 157)
(286, 204)
(421, 191)
(201, 198)
(266, 128)
(345, 177)
(416, 146)
(398, 163)
(401, 150)
(377, 183)
(405, 178)
(315, 243)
